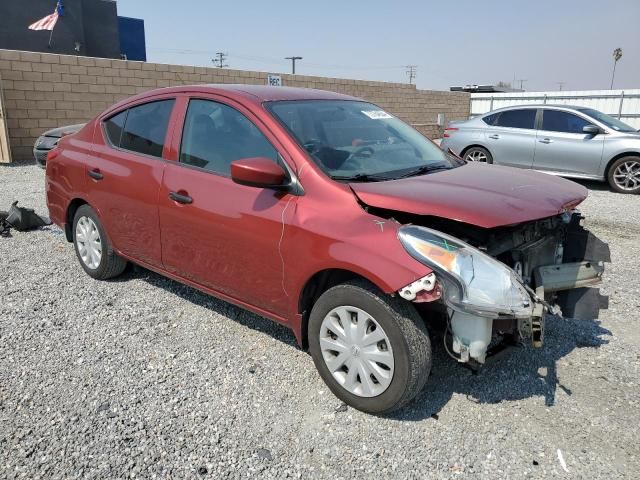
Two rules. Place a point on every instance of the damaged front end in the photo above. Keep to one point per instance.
(503, 282)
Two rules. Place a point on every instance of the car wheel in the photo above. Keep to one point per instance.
(478, 154)
(372, 350)
(92, 246)
(624, 175)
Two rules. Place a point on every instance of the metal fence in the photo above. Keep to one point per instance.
(621, 104)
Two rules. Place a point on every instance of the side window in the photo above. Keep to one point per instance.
(114, 126)
(491, 119)
(559, 121)
(146, 127)
(215, 135)
(524, 118)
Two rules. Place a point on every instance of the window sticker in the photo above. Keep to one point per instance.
(376, 114)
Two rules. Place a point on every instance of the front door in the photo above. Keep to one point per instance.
(215, 232)
(126, 171)
(512, 138)
(562, 146)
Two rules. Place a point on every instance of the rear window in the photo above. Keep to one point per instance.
(146, 128)
(141, 129)
(491, 119)
(525, 118)
(114, 127)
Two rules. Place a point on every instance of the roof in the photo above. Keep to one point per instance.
(266, 93)
(251, 93)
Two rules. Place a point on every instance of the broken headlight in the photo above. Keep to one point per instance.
(472, 281)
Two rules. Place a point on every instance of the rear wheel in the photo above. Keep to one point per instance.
(373, 351)
(624, 175)
(478, 154)
(92, 246)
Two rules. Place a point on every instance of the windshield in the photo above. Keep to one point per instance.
(609, 121)
(357, 141)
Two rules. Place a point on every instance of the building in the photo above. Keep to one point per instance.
(485, 89)
(89, 28)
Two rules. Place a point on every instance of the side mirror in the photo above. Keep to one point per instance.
(591, 130)
(258, 172)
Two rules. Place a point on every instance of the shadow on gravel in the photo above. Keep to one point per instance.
(517, 373)
(244, 317)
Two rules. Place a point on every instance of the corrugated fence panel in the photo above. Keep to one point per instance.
(624, 104)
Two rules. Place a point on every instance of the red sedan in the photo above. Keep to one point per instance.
(329, 215)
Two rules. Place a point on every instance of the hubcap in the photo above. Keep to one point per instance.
(89, 242)
(476, 156)
(627, 175)
(357, 351)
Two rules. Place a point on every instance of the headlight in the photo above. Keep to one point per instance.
(47, 143)
(472, 281)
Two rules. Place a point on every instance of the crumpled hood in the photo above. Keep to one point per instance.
(484, 195)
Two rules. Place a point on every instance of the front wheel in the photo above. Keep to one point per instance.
(478, 154)
(624, 175)
(373, 351)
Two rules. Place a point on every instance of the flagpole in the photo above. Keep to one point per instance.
(51, 37)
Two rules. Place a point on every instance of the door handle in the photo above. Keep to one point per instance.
(180, 198)
(546, 140)
(495, 136)
(95, 174)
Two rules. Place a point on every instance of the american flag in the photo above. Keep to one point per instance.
(49, 22)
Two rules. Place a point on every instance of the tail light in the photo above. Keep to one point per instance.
(53, 153)
(449, 131)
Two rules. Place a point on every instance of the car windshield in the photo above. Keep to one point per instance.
(358, 141)
(608, 120)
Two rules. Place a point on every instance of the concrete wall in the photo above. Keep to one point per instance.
(44, 91)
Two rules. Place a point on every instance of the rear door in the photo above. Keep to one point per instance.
(512, 138)
(215, 232)
(562, 146)
(126, 171)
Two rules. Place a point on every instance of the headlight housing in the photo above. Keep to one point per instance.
(472, 281)
(47, 143)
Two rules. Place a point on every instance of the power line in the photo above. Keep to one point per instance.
(293, 63)
(411, 73)
(219, 60)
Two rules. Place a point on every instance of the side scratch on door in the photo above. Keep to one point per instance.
(284, 210)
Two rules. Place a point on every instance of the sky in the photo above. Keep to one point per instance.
(541, 42)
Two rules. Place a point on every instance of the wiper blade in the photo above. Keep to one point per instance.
(361, 177)
(424, 169)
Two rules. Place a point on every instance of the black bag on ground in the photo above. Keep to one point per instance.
(23, 219)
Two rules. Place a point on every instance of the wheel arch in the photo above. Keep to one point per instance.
(315, 286)
(72, 208)
(468, 147)
(617, 157)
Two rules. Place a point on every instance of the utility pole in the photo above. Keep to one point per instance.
(560, 85)
(293, 63)
(411, 73)
(522, 80)
(219, 61)
(617, 55)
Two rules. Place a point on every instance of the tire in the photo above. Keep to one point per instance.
(624, 175)
(409, 347)
(108, 264)
(478, 154)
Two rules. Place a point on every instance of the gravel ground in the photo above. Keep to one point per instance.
(144, 377)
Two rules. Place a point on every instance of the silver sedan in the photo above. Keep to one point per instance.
(571, 142)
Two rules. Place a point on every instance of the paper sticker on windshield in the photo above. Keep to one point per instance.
(376, 114)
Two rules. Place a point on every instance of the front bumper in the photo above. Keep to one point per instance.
(40, 156)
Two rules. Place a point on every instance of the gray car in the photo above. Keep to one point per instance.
(571, 142)
(49, 139)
